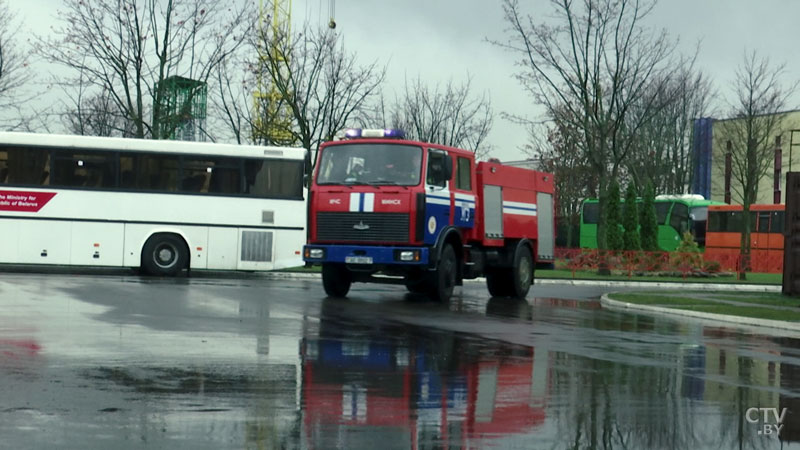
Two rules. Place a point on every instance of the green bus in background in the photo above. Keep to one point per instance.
(675, 214)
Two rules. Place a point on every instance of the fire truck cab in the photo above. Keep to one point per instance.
(385, 209)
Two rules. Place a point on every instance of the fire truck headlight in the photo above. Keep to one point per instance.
(315, 253)
(409, 255)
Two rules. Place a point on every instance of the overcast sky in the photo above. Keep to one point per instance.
(439, 40)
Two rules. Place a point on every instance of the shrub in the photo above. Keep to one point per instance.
(647, 221)
(630, 221)
(613, 229)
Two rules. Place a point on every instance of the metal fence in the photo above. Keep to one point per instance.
(633, 263)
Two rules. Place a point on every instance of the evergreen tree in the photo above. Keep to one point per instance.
(649, 227)
(630, 220)
(613, 227)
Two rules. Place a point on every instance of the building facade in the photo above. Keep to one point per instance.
(714, 171)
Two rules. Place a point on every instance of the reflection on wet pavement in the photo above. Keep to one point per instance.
(248, 365)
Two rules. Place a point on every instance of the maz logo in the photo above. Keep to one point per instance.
(361, 226)
(390, 202)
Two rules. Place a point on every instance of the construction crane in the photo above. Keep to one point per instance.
(272, 116)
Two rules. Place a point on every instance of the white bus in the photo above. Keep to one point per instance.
(163, 206)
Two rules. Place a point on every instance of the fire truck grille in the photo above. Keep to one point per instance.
(362, 227)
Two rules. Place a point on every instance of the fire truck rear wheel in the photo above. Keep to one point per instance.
(444, 278)
(522, 272)
(336, 280)
(498, 282)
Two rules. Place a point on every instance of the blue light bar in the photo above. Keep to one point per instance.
(354, 133)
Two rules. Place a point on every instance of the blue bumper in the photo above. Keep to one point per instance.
(359, 254)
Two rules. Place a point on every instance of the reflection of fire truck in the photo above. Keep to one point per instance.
(427, 215)
(419, 396)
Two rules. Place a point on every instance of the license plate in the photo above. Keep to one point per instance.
(358, 259)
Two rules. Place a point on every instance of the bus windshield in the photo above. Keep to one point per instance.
(374, 164)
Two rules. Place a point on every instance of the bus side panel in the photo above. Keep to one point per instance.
(9, 243)
(668, 238)
(223, 244)
(256, 249)
(288, 248)
(588, 235)
(136, 236)
(97, 244)
(44, 242)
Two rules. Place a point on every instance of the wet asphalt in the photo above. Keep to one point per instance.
(119, 361)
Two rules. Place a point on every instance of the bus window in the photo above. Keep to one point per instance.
(3, 166)
(717, 221)
(84, 169)
(149, 172)
(211, 175)
(699, 213)
(776, 224)
(226, 179)
(662, 209)
(763, 222)
(27, 166)
(679, 218)
(734, 222)
(274, 178)
(195, 175)
(591, 213)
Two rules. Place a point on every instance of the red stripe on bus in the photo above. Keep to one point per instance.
(24, 201)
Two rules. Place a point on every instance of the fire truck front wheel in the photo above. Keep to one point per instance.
(336, 280)
(444, 278)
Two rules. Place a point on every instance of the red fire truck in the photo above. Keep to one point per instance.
(384, 209)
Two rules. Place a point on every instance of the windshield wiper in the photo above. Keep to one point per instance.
(387, 183)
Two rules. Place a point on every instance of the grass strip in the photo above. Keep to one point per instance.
(767, 298)
(752, 278)
(745, 311)
(709, 306)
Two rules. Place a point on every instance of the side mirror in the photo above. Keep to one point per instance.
(448, 167)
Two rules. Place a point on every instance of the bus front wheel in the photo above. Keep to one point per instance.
(164, 255)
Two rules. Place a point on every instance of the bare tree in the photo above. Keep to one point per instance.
(663, 149)
(127, 49)
(234, 98)
(448, 115)
(756, 119)
(314, 88)
(596, 59)
(555, 147)
(14, 66)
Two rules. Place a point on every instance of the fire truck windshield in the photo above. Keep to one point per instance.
(373, 164)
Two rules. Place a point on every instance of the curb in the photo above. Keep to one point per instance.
(572, 282)
(744, 322)
(667, 285)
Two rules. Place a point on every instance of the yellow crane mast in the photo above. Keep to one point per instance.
(272, 116)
